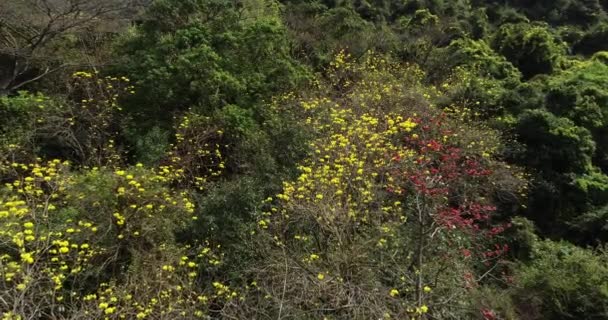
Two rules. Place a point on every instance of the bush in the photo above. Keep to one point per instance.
(554, 144)
(563, 281)
(100, 244)
(82, 126)
(532, 48)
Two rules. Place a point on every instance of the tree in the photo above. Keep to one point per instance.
(31, 31)
(390, 214)
(532, 48)
(579, 94)
(564, 281)
(593, 40)
(481, 77)
(82, 126)
(555, 144)
(206, 54)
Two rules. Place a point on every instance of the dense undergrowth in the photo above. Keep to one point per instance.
(258, 159)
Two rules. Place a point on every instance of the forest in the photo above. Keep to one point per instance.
(303, 159)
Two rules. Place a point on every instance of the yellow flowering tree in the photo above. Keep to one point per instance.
(98, 239)
(366, 230)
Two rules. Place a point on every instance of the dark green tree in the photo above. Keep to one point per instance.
(532, 48)
(207, 54)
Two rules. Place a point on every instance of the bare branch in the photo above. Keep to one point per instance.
(43, 74)
(29, 29)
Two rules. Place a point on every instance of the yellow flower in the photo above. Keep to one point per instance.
(27, 257)
(64, 249)
(394, 292)
(28, 225)
(427, 289)
(424, 309)
(320, 276)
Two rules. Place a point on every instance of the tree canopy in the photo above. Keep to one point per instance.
(303, 159)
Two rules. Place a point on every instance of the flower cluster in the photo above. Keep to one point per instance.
(61, 228)
(384, 200)
(197, 155)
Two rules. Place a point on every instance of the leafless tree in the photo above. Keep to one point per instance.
(30, 31)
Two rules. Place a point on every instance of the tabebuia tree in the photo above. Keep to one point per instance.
(392, 214)
(86, 235)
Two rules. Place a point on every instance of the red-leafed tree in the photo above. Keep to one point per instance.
(449, 193)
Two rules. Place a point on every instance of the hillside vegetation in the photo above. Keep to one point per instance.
(303, 159)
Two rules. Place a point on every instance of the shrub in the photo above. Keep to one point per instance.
(563, 281)
(532, 48)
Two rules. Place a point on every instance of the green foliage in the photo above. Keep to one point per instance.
(525, 96)
(554, 144)
(559, 12)
(319, 32)
(523, 237)
(150, 147)
(200, 53)
(480, 24)
(378, 188)
(593, 40)
(478, 53)
(16, 128)
(563, 281)
(480, 77)
(591, 197)
(532, 48)
(579, 93)
(492, 302)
